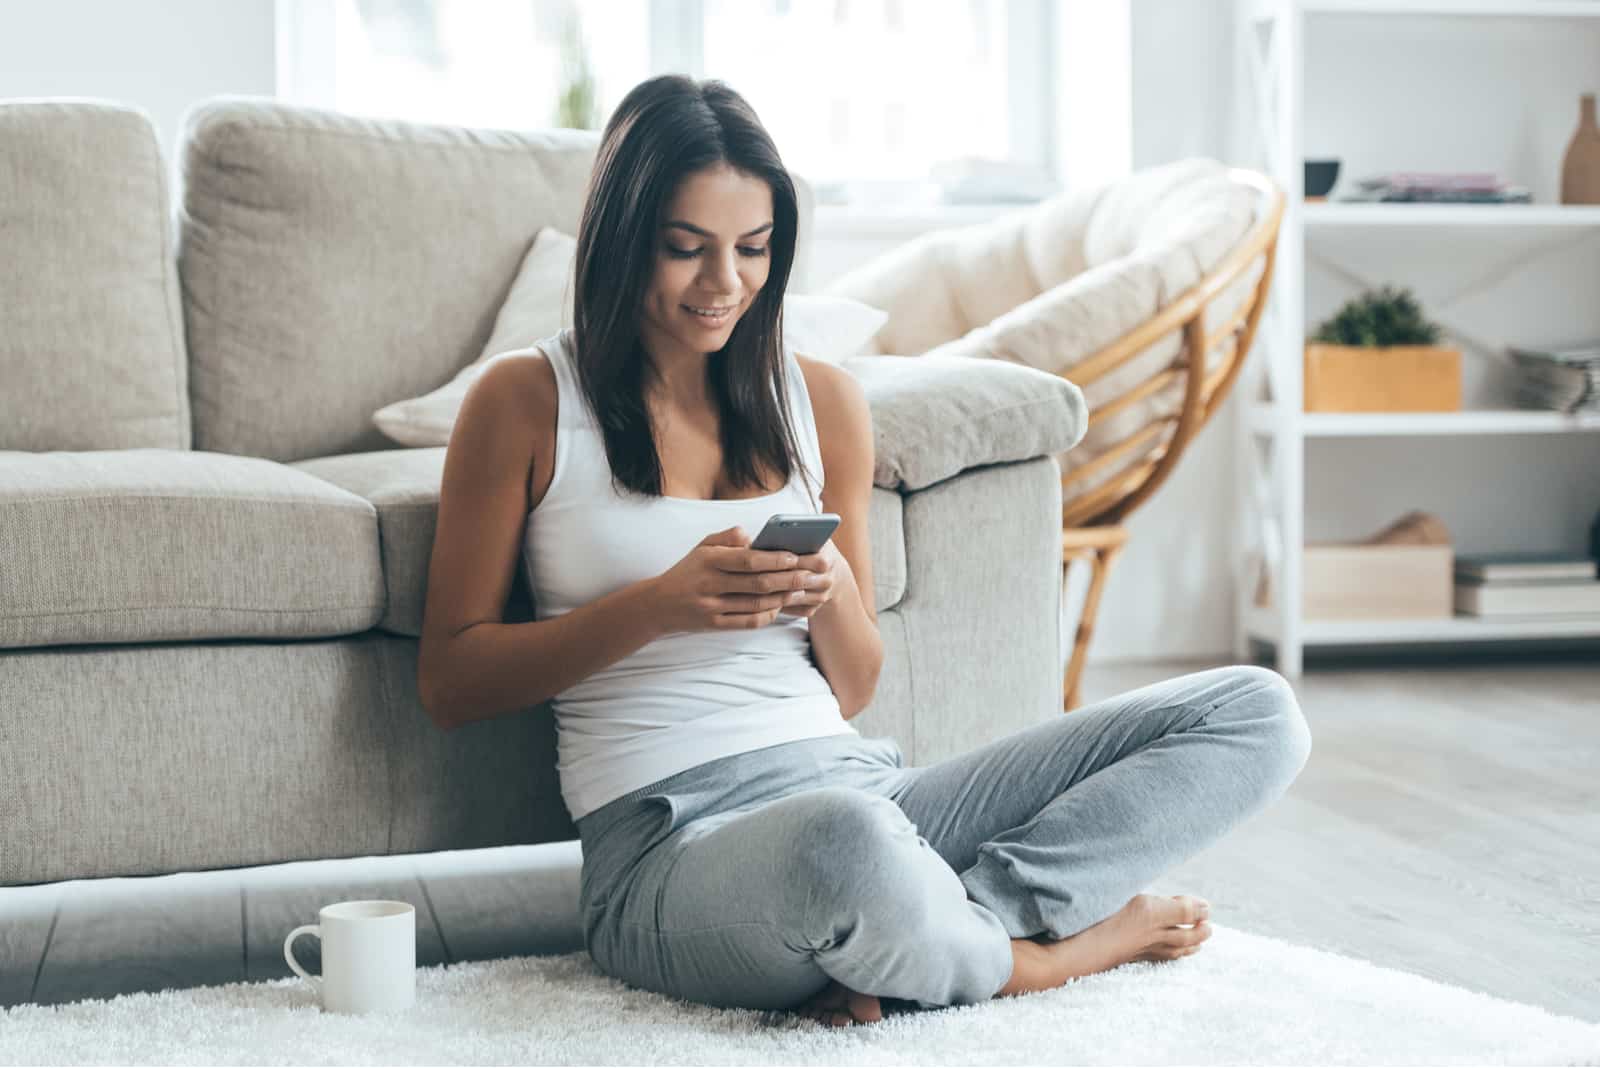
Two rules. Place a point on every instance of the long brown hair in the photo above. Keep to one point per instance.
(665, 129)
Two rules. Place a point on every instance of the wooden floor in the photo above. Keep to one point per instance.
(1447, 824)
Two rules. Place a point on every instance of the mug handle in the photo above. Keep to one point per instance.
(288, 951)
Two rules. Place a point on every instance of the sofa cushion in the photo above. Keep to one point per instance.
(333, 264)
(92, 349)
(402, 485)
(147, 545)
(539, 305)
(935, 416)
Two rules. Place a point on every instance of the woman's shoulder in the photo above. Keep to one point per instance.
(840, 410)
(825, 381)
(528, 370)
(528, 374)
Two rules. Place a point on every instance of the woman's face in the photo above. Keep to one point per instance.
(712, 252)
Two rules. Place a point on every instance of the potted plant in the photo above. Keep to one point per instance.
(1378, 354)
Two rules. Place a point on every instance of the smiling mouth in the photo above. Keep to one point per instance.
(719, 315)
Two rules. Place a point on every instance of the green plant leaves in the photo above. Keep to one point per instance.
(1385, 316)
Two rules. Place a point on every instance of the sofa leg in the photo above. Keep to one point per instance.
(1100, 546)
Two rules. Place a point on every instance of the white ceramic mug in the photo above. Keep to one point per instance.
(369, 955)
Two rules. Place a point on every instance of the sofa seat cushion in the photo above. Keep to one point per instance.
(146, 545)
(402, 486)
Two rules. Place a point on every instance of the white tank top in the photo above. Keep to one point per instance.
(690, 696)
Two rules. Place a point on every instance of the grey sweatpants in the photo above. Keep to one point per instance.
(751, 880)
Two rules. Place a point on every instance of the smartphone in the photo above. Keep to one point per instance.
(800, 533)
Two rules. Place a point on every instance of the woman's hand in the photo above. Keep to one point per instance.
(723, 584)
(820, 583)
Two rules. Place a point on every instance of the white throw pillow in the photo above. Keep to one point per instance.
(829, 328)
(540, 304)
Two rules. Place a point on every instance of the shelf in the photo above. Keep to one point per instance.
(1333, 214)
(1486, 252)
(1263, 624)
(1427, 424)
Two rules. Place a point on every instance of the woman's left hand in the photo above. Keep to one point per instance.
(822, 568)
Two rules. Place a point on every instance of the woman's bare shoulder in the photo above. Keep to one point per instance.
(529, 373)
(836, 394)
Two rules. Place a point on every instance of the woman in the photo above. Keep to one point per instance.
(743, 844)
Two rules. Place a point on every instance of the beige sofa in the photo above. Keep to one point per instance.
(212, 566)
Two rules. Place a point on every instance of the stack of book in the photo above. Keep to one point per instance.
(1429, 188)
(1563, 379)
(1512, 585)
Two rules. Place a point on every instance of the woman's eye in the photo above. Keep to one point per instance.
(684, 254)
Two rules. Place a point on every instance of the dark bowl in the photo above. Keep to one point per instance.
(1320, 176)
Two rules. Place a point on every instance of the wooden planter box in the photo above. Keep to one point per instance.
(1395, 378)
(1343, 581)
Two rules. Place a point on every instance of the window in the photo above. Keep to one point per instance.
(515, 64)
(909, 102)
(890, 99)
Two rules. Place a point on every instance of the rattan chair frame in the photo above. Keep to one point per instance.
(1092, 523)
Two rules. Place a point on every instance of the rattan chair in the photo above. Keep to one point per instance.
(1116, 288)
(1092, 520)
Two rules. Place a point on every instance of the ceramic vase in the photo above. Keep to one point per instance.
(1580, 168)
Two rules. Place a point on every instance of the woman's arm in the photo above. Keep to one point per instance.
(844, 629)
(503, 667)
(472, 666)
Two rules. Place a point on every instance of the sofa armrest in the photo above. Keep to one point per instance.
(935, 416)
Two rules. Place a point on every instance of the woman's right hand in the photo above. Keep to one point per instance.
(723, 584)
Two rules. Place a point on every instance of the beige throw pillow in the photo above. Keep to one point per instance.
(540, 305)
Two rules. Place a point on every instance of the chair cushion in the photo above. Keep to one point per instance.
(146, 545)
(941, 284)
(92, 350)
(402, 485)
(1125, 250)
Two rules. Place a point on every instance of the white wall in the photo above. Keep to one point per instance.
(161, 56)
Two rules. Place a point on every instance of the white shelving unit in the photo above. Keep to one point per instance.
(1274, 431)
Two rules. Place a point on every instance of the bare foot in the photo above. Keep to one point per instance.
(1149, 927)
(838, 1006)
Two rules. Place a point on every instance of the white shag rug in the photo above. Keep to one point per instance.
(1243, 999)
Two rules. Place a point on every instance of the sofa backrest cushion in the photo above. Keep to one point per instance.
(332, 264)
(91, 334)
